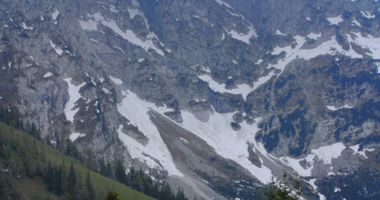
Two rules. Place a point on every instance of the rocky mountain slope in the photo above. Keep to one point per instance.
(214, 96)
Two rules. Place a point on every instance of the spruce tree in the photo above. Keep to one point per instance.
(112, 196)
(120, 173)
(72, 183)
(90, 189)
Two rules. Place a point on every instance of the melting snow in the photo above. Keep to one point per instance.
(75, 136)
(116, 80)
(321, 196)
(242, 89)
(106, 91)
(127, 34)
(26, 27)
(54, 15)
(57, 50)
(89, 25)
(355, 22)
(333, 108)
(336, 189)
(74, 96)
(133, 12)
(244, 37)
(355, 148)
(328, 47)
(314, 36)
(48, 74)
(367, 15)
(323, 153)
(230, 10)
(137, 111)
(227, 142)
(367, 42)
(328, 153)
(335, 20)
(184, 140)
(278, 32)
(222, 3)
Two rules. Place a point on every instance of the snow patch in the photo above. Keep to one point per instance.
(278, 32)
(129, 35)
(355, 22)
(334, 108)
(328, 47)
(368, 42)
(324, 153)
(184, 140)
(48, 75)
(244, 37)
(243, 89)
(133, 12)
(54, 15)
(227, 142)
(356, 150)
(367, 14)
(335, 20)
(89, 25)
(75, 136)
(314, 36)
(57, 50)
(137, 111)
(337, 189)
(330, 152)
(74, 96)
(116, 80)
(26, 27)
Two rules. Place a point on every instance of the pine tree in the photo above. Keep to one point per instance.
(103, 168)
(59, 181)
(120, 173)
(72, 183)
(180, 195)
(90, 189)
(112, 196)
(49, 178)
(109, 172)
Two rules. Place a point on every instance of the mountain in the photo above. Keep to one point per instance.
(215, 97)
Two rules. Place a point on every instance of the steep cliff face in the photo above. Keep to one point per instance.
(214, 96)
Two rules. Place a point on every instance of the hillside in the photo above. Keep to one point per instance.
(23, 157)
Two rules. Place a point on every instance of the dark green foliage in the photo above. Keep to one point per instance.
(72, 188)
(139, 181)
(90, 193)
(120, 173)
(112, 196)
(71, 150)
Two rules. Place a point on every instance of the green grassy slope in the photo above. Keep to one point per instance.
(17, 144)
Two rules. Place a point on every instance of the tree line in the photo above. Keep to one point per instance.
(62, 182)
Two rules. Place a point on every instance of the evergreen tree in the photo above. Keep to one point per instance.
(103, 168)
(72, 183)
(180, 195)
(112, 196)
(120, 173)
(109, 171)
(90, 189)
(49, 178)
(59, 189)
